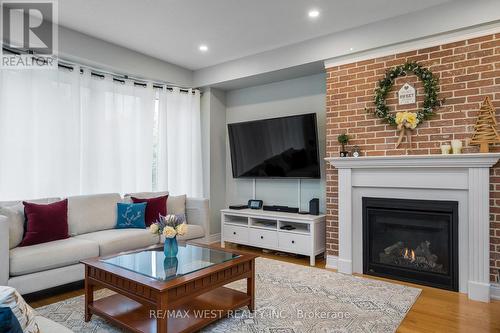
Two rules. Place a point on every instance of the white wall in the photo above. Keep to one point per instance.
(217, 157)
(213, 124)
(87, 50)
(291, 97)
(91, 51)
(77, 47)
(441, 19)
(205, 140)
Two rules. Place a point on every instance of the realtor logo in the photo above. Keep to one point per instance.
(28, 33)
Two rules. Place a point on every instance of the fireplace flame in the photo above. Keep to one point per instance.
(409, 254)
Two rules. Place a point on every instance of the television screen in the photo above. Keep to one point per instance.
(276, 148)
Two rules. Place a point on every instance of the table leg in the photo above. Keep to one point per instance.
(89, 295)
(162, 313)
(251, 287)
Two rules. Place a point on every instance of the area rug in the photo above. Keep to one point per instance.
(289, 299)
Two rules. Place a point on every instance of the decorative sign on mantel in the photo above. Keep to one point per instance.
(407, 94)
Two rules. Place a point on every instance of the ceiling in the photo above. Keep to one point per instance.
(172, 30)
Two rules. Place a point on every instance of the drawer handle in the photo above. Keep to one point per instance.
(234, 232)
(293, 242)
(261, 237)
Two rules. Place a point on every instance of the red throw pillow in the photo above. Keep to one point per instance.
(154, 208)
(45, 223)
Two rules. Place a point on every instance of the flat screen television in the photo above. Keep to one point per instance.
(284, 147)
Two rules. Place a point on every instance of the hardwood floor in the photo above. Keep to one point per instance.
(435, 310)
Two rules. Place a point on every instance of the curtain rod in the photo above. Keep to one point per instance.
(97, 72)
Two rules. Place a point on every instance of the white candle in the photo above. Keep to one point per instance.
(456, 145)
(445, 149)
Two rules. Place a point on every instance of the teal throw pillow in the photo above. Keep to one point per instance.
(131, 215)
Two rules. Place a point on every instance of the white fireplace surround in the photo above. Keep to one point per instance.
(463, 178)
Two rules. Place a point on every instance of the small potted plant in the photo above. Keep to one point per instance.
(343, 140)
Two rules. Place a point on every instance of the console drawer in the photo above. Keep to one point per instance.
(295, 243)
(235, 233)
(264, 238)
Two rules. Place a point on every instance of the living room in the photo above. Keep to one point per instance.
(249, 166)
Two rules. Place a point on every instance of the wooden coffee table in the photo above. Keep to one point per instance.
(154, 294)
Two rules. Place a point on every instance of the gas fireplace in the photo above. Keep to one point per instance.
(411, 240)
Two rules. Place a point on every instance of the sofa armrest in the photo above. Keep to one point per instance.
(46, 325)
(197, 213)
(4, 250)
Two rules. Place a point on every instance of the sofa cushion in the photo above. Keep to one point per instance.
(119, 240)
(14, 211)
(145, 195)
(59, 253)
(176, 204)
(15, 217)
(42, 325)
(193, 231)
(20, 202)
(155, 208)
(131, 215)
(89, 213)
(45, 222)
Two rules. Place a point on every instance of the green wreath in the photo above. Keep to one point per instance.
(431, 101)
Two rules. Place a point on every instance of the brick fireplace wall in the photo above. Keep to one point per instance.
(468, 71)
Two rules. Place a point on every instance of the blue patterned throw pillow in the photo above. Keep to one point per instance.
(8, 322)
(131, 215)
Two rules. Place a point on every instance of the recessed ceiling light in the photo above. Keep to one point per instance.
(351, 49)
(313, 13)
(203, 48)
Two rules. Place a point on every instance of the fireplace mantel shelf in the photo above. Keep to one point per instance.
(478, 160)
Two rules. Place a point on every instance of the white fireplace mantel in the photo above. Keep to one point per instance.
(419, 161)
(463, 178)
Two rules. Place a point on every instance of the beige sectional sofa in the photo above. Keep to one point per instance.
(91, 222)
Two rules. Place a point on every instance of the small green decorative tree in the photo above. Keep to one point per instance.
(343, 140)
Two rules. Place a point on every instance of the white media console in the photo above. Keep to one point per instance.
(260, 228)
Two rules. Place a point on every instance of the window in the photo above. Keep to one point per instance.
(64, 133)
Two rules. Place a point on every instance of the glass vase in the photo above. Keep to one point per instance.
(170, 248)
(170, 266)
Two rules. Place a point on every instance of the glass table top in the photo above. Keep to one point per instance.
(153, 263)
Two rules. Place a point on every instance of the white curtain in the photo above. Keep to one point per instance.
(63, 133)
(117, 135)
(179, 142)
(39, 133)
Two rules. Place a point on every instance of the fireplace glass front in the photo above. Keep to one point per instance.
(411, 240)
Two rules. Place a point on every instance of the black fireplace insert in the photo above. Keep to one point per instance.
(411, 240)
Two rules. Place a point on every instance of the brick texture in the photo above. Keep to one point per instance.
(467, 70)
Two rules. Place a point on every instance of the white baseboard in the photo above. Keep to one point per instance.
(478, 291)
(212, 238)
(495, 291)
(344, 266)
(331, 262)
